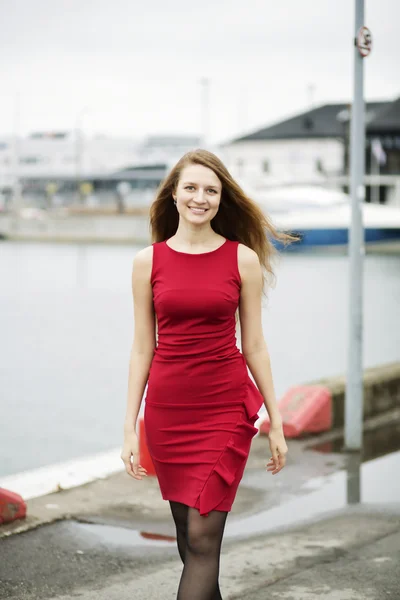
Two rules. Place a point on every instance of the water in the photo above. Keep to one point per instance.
(376, 442)
(66, 322)
(360, 484)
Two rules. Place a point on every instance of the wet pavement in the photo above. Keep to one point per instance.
(376, 442)
(118, 532)
(370, 483)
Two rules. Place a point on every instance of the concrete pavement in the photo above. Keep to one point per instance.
(362, 570)
(113, 539)
(352, 555)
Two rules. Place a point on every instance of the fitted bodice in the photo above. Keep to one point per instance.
(196, 360)
(195, 299)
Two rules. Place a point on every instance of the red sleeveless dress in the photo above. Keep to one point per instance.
(200, 405)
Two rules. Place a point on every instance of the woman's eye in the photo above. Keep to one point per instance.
(191, 187)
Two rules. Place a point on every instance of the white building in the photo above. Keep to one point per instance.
(313, 148)
(58, 155)
(166, 148)
(69, 162)
(63, 154)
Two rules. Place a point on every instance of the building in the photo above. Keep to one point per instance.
(166, 148)
(313, 148)
(66, 159)
(383, 165)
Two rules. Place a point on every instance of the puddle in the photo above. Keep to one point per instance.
(93, 534)
(376, 443)
(371, 482)
(369, 477)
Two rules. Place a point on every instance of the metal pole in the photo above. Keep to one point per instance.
(375, 186)
(79, 141)
(354, 382)
(16, 196)
(78, 159)
(205, 114)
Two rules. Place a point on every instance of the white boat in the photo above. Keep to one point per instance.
(322, 217)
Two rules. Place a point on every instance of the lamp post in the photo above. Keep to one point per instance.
(79, 149)
(16, 195)
(205, 110)
(354, 381)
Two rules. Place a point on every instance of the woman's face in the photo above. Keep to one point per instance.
(198, 194)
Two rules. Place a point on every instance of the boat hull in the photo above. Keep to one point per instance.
(320, 238)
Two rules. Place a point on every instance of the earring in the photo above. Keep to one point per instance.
(175, 202)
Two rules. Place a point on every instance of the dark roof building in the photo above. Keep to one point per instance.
(149, 172)
(327, 121)
(387, 120)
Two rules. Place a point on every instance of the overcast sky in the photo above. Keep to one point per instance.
(131, 67)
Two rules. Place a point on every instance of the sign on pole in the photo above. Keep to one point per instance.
(364, 41)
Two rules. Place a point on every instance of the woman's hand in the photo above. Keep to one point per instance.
(278, 449)
(131, 449)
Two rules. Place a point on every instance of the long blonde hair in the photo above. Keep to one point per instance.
(239, 218)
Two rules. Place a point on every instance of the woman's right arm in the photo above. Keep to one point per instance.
(142, 352)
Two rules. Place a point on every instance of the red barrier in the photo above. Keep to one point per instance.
(12, 506)
(144, 455)
(304, 409)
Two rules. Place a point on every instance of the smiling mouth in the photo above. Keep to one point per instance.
(198, 211)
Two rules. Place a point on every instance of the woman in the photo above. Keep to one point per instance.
(211, 256)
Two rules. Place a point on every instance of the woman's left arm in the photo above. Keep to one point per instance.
(255, 351)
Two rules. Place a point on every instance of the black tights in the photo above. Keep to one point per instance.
(199, 544)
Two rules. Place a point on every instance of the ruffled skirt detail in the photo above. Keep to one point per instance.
(200, 450)
(220, 488)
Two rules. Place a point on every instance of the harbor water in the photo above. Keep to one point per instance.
(66, 322)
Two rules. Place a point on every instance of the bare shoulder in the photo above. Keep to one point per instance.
(143, 261)
(144, 256)
(247, 256)
(248, 265)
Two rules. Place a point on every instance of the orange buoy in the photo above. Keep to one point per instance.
(144, 455)
(12, 506)
(304, 409)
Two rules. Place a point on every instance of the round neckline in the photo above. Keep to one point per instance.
(196, 253)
